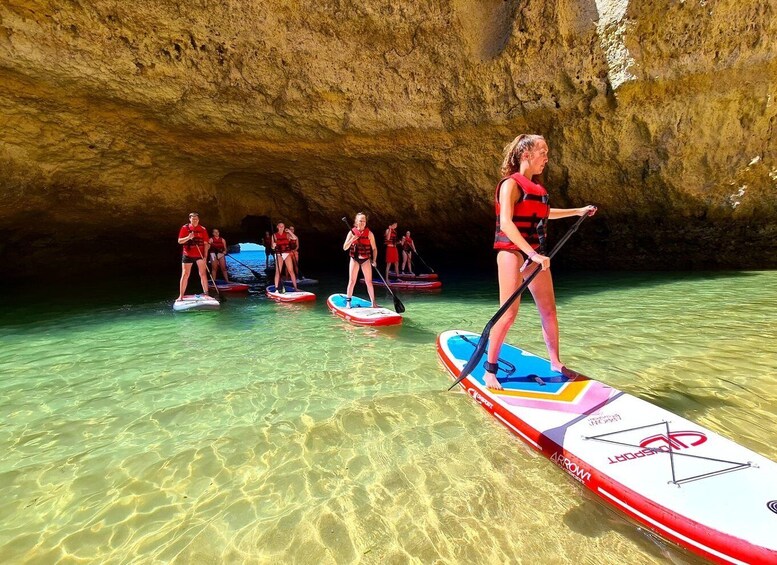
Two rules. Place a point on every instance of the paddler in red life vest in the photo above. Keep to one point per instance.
(522, 213)
(281, 245)
(294, 246)
(392, 254)
(361, 246)
(218, 255)
(408, 248)
(194, 239)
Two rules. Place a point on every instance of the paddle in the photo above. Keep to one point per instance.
(398, 306)
(215, 286)
(424, 262)
(256, 275)
(481, 348)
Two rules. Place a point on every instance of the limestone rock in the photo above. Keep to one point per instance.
(120, 118)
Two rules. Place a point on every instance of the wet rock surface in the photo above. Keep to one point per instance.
(120, 118)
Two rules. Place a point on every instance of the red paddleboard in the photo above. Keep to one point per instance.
(290, 295)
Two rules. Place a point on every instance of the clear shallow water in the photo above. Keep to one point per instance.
(267, 432)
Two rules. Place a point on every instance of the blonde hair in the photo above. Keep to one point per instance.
(513, 152)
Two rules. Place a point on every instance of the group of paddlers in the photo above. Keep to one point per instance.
(522, 213)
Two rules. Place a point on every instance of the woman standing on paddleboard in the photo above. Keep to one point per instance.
(392, 254)
(281, 243)
(522, 213)
(408, 248)
(218, 255)
(361, 246)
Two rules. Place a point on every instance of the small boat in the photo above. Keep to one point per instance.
(361, 312)
(196, 302)
(290, 295)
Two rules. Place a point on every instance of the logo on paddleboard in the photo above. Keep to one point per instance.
(772, 505)
(578, 473)
(662, 443)
(675, 440)
(480, 398)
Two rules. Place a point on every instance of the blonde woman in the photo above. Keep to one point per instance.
(361, 246)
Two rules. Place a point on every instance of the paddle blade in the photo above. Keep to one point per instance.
(398, 306)
(477, 355)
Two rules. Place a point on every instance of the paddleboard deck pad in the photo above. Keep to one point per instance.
(196, 302)
(361, 312)
(290, 295)
(680, 480)
(224, 286)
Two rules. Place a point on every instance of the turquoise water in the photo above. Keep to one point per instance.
(268, 432)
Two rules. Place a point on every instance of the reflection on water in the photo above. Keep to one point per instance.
(270, 432)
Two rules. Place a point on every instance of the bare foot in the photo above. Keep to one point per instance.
(180, 298)
(492, 382)
(374, 305)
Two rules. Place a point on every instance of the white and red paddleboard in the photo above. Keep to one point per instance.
(196, 302)
(419, 277)
(680, 480)
(361, 312)
(408, 285)
(290, 295)
(228, 287)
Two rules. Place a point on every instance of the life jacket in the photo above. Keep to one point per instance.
(391, 240)
(196, 241)
(407, 244)
(268, 242)
(361, 248)
(218, 245)
(281, 242)
(530, 215)
(292, 244)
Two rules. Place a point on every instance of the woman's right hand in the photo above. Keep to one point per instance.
(541, 260)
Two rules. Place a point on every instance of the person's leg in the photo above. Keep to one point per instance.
(289, 262)
(544, 296)
(186, 268)
(203, 275)
(214, 266)
(367, 270)
(223, 265)
(509, 265)
(278, 268)
(353, 272)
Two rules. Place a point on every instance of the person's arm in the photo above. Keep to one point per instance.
(226, 247)
(272, 241)
(184, 238)
(416, 252)
(556, 213)
(374, 249)
(349, 239)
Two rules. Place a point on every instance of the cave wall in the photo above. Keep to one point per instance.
(120, 118)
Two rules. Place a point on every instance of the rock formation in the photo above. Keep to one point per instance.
(118, 118)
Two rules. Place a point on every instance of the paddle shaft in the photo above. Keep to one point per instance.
(256, 275)
(476, 356)
(424, 262)
(398, 306)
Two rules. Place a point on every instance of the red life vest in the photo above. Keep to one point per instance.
(195, 247)
(391, 240)
(217, 245)
(407, 244)
(281, 242)
(361, 248)
(530, 214)
(292, 244)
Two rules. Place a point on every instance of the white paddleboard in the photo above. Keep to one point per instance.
(680, 480)
(196, 302)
